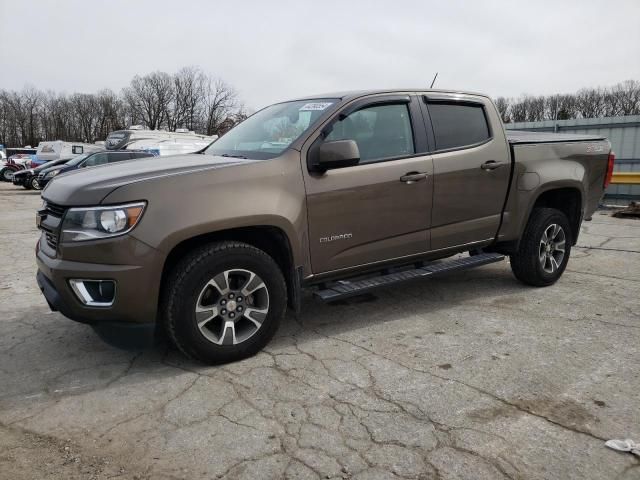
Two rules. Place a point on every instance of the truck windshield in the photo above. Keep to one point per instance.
(270, 131)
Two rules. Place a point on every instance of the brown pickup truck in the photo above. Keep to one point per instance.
(338, 193)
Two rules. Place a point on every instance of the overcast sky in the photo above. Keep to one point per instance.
(274, 50)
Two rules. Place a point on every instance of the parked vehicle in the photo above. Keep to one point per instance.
(28, 178)
(158, 142)
(13, 164)
(338, 194)
(58, 149)
(88, 160)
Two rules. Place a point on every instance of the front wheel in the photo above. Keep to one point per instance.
(224, 302)
(34, 183)
(544, 248)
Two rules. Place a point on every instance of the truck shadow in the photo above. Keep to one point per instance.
(65, 346)
(418, 297)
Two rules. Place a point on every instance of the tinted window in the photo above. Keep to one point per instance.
(97, 159)
(457, 125)
(140, 155)
(118, 157)
(382, 131)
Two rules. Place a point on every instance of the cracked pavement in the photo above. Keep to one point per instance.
(468, 376)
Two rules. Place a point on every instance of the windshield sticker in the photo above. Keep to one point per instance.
(314, 106)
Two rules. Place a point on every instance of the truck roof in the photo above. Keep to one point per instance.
(351, 94)
(519, 137)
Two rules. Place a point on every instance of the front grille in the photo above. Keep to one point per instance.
(52, 239)
(54, 210)
(52, 231)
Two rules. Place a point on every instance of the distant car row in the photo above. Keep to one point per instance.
(37, 178)
(55, 157)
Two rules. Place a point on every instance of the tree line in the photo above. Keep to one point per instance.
(621, 99)
(197, 101)
(188, 99)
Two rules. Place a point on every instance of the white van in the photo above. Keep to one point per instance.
(158, 142)
(59, 150)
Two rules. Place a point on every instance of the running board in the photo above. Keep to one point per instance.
(346, 288)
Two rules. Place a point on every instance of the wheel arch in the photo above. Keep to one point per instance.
(271, 239)
(569, 199)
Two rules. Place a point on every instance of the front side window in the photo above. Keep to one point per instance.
(381, 131)
(77, 160)
(270, 131)
(458, 125)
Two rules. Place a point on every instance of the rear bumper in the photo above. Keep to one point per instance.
(19, 180)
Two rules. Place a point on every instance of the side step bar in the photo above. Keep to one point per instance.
(346, 288)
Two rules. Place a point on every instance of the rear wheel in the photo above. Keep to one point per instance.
(224, 302)
(544, 248)
(6, 174)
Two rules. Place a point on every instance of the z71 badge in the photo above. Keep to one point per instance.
(594, 148)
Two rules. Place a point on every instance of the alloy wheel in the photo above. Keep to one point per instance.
(552, 248)
(232, 307)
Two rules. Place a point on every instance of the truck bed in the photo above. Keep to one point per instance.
(518, 137)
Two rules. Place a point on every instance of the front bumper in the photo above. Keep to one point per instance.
(135, 267)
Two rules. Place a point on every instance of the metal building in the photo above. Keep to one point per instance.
(622, 132)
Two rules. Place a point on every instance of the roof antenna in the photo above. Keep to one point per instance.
(434, 80)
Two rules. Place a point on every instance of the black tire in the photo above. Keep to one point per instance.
(33, 183)
(526, 263)
(184, 288)
(6, 174)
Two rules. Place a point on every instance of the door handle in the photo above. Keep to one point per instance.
(491, 165)
(413, 177)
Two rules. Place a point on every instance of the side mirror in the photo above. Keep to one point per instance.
(337, 154)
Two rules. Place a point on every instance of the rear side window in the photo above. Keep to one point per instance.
(458, 125)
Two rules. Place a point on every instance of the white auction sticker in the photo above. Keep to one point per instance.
(315, 106)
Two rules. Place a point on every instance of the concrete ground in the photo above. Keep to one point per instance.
(470, 376)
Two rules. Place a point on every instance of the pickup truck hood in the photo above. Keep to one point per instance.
(89, 186)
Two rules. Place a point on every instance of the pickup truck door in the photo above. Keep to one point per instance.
(471, 168)
(379, 209)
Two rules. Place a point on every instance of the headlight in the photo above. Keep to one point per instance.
(52, 173)
(93, 223)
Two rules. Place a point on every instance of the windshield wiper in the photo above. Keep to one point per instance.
(233, 156)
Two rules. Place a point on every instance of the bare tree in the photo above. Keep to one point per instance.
(220, 102)
(589, 102)
(626, 97)
(518, 110)
(190, 85)
(502, 104)
(149, 98)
